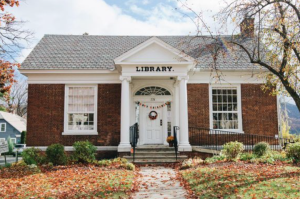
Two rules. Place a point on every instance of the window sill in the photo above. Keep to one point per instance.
(79, 133)
(224, 131)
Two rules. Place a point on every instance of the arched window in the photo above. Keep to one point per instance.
(153, 90)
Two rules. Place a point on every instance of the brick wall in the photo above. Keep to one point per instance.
(198, 105)
(45, 122)
(46, 113)
(259, 109)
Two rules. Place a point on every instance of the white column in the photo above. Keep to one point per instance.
(184, 144)
(124, 145)
(175, 108)
(176, 123)
(132, 106)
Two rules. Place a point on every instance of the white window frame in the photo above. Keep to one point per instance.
(239, 101)
(4, 127)
(2, 139)
(14, 140)
(80, 132)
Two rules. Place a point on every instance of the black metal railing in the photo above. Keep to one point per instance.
(176, 128)
(134, 136)
(215, 139)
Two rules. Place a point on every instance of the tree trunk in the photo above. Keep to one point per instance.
(292, 93)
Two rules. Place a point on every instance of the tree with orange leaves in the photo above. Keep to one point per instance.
(12, 41)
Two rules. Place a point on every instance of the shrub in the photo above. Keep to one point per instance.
(84, 151)
(7, 165)
(261, 148)
(120, 160)
(192, 162)
(215, 158)
(32, 156)
(23, 137)
(296, 138)
(33, 168)
(293, 151)
(56, 154)
(19, 163)
(104, 163)
(271, 157)
(130, 166)
(10, 145)
(247, 156)
(232, 149)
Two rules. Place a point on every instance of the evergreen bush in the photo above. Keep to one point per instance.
(56, 154)
(10, 145)
(232, 150)
(261, 148)
(23, 137)
(84, 152)
(32, 156)
(293, 151)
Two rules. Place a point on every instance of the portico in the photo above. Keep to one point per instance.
(154, 78)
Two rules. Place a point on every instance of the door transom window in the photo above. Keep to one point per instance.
(153, 90)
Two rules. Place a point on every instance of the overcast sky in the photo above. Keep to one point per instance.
(109, 17)
(112, 17)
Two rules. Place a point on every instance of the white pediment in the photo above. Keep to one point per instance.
(153, 51)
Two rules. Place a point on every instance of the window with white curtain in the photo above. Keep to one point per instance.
(225, 106)
(81, 109)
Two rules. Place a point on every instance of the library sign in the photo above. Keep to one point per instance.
(154, 69)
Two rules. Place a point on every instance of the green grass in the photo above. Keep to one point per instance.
(239, 180)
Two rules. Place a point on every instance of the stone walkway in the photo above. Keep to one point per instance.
(159, 183)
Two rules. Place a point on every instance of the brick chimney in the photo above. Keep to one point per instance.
(247, 27)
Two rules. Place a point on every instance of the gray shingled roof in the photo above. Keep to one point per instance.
(98, 52)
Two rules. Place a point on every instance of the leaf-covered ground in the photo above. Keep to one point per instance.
(240, 180)
(66, 182)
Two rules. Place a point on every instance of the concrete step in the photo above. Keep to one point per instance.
(181, 157)
(155, 149)
(155, 153)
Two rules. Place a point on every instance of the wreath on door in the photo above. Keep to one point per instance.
(153, 115)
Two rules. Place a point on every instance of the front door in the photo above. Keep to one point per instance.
(152, 127)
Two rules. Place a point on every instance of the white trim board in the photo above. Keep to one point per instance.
(74, 78)
(67, 71)
(194, 77)
(73, 82)
(241, 77)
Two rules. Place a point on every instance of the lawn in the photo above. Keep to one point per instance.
(243, 180)
(66, 182)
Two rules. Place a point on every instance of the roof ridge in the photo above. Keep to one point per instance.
(134, 35)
